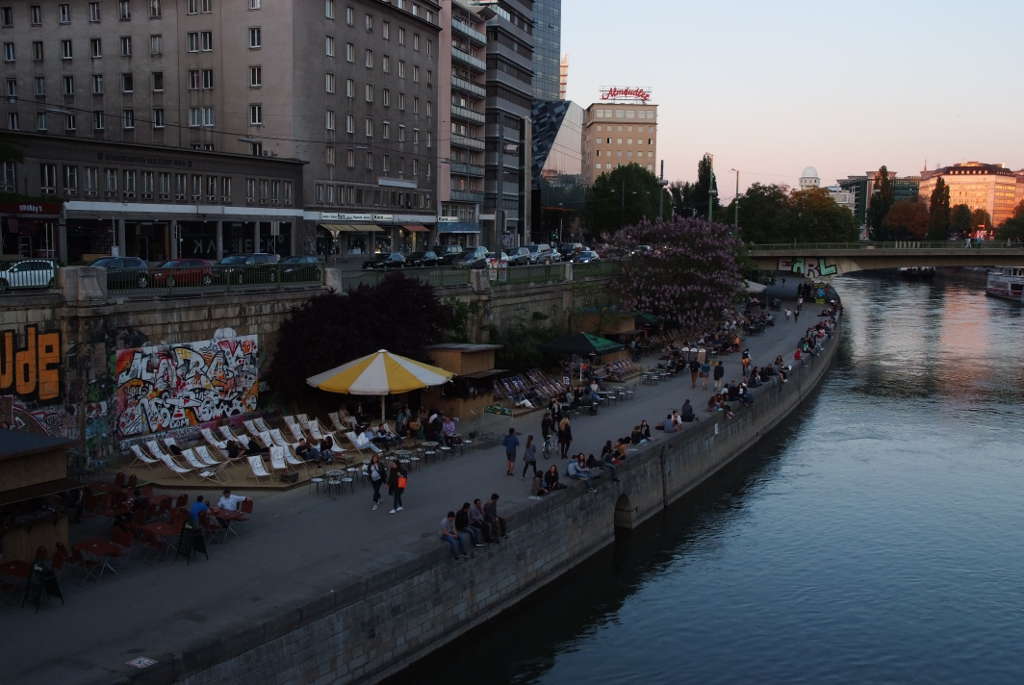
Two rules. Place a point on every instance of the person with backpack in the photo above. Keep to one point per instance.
(377, 474)
(398, 479)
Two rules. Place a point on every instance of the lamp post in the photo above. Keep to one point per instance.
(736, 201)
(661, 189)
(711, 184)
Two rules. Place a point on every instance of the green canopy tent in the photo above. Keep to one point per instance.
(583, 344)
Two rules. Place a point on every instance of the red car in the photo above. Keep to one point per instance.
(182, 273)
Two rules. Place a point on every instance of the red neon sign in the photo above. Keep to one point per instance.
(616, 93)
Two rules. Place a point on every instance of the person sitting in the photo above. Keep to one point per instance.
(478, 522)
(462, 526)
(645, 429)
(551, 482)
(415, 427)
(636, 437)
(713, 402)
(621, 450)
(450, 537)
(537, 488)
(235, 450)
(448, 429)
(608, 450)
(325, 449)
(667, 425)
(686, 413)
(594, 463)
(733, 391)
(579, 471)
(745, 396)
(197, 508)
(307, 452)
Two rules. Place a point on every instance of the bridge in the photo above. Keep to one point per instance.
(822, 260)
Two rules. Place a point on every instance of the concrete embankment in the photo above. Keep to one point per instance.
(376, 626)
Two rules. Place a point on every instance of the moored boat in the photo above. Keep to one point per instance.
(1006, 283)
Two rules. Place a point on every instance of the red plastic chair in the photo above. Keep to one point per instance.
(90, 568)
(246, 506)
(182, 501)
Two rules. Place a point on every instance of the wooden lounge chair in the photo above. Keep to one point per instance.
(141, 456)
(261, 424)
(266, 439)
(335, 418)
(180, 471)
(228, 435)
(303, 419)
(154, 448)
(278, 439)
(277, 458)
(293, 460)
(258, 468)
(361, 444)
(202, 470)
(250, 426)
(315, 431)
(204, 455)
(219, 445)
(294, 429)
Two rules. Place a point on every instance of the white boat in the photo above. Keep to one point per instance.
(1006, 283)
(917, 272)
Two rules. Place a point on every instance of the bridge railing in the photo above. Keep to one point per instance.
(892, 245)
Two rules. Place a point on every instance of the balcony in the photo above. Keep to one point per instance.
(468, 143)
(469, 60)
(466, 114)
(462, 169)
(465, 30)
(468, 88)
(467, 196)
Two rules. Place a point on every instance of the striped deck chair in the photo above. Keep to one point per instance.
(180, 471)
(156, 450)
(277, 458)
(294, 429)
(265, 438)
(261, 424)
(258, 468)
(278, 439)
(141, 456)
(204, 456)
(293, 460)
(250, 426)
(219, 445)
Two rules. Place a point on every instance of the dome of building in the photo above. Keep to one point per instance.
(809, 172)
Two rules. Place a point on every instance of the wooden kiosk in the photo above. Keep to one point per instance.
(471, 389)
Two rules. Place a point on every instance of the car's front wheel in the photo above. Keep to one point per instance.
(142, 281)
(171, 282)
(207, 279)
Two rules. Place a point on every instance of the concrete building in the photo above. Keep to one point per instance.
(348, 86)
(843, 198)
(563, 77)
(547, 49)
(862, 187)
(991, 187)
(154, 202)
(505, 220)
(809, 179)
(557, 181)
(462, 94)
(619, 132)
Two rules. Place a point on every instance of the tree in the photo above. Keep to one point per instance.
(812, 216)
(980, 220)
(624, 196)
(938, 212)
(1013, 228)
(906, 220)
(691, 199)
(399, 314)
(688, 278)
(763, 210)
(881, 201)
(960, 221)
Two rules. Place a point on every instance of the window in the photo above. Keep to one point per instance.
(37, 50)
(350, 88)
(329, 9)
(127, 83)
(129, 182)
(368, 125)
(69, 85)
(192, 39)
(207, 79)
(350, 124)
(385, 130)
(124, 10)
(369, 59)
(158, 117)
(94, 11)
(385, 166)
(401, 68)
(111, 181)
(255, 76)
(329, 120)
(7, 17)
(97, 84)
(36, 15)
(194, 117)
(255, 4)
(430, 79)
(401, 35)
(329, 46)
(225, 188)
(428, 136)
(369, 161)
(71, 178)
(350, 158)
(126, 46)
(416, 42)
(92, 180)
(415, 105)
(206, 41)
(12, 88)
(329, 155)
(350, 52)
(48, 178)
(154, 9)
(350, 14)
(203, 6)
(369, 92)
(40, 82)
(385, 64)
(158, 81)
(12, 122)
(401, 133)
(156, 44)
(255, 37)
(329, 82)
(430, 48)
(64, 13)
(40, 121)
(255, 115)
(385, 97)
(194, 79)
(128, 118)
(385, 30)
(97, 120)
(401, 102)
(369, 23)
(8, 52)
(415, 73)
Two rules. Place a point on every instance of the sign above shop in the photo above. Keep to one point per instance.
(375, 218)
(29, 208)
(625, 94)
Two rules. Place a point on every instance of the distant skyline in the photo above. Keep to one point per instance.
(770, 88)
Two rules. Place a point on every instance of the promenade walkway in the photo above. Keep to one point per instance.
(299, 546)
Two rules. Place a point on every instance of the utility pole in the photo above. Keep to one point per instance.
(711, 183)
(661, 189)
(736, 201)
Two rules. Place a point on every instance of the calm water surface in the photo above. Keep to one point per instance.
(878, 537)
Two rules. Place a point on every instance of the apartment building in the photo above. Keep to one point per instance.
(348, 86)
(991, 187)
(618, 133)
(547, 50)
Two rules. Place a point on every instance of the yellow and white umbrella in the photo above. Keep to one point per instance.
(380, 373)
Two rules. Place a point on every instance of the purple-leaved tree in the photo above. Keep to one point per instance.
(684, 271)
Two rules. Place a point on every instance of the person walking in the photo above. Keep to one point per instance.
(719, 374)
(788, 313)
(398, 479)
(705, 373)
(796, 314)
(511, 443)
(564, 436)
(694, 371)
(529, 456)
(547, 425)
(745, 361)
(378, 475)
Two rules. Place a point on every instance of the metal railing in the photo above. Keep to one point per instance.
(892, 245)
(468, 114)
(438, 278)
(533, 273)
(215, 277)
(469, 87)
(464, 29)
(468, 59)
(466, 141)
(594, 270)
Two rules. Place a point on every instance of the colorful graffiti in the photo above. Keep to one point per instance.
(809, 267)
(180, 385)
(32, 373)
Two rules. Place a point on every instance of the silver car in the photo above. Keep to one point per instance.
(29, 273)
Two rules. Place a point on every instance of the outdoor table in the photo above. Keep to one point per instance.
(228, 515)
(429, 444)
(100, 549)
(15, 569)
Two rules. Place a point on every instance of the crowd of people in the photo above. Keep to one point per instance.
(472, 526)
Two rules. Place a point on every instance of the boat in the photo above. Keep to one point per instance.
(917, 272)
(1006, 283)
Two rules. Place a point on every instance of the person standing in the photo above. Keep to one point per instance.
(694, 372)
(564, 436)
(529, 456)
(496, 522)
(719, 374)
(511, 443)
(377, 475)
(705, 373)
(547, 425)
(745, 361)
(398, 479)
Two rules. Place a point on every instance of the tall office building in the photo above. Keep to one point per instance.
(346, 85)
(505, 220)
(863, 187)
(563, 77)
(991, 187)
(558, 192)
(547, 49)
(621, 129)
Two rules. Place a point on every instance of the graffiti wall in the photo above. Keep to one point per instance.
(809, 267)
(179, 385)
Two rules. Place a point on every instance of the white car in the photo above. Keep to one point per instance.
(29, 273)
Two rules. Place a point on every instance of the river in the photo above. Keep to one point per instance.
(875, 537)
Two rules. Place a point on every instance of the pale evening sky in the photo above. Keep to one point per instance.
(772, 87)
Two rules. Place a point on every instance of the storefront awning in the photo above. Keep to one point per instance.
(335, 229)
(365, 228)
(458, 227)
(416, 228)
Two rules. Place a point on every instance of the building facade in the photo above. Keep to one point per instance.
(618, 133)
(991, 187)
(563, 77)
(809, 178)
(843, 198)
(93, 198)
(347, 85)
(547, 49)
(862, 187)
(557, 179)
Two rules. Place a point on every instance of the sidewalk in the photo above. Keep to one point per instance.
(299, 546)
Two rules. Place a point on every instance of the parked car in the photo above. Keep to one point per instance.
(520, 257)
(124, 272)
(183, 272)
(585, 257)
(385, 260)
(540, 253)
(473, 258)
(568, 250)
(300, 268)
(453, 254)
(28, 273)
(496, 260)
(245, 268)
(422, 258)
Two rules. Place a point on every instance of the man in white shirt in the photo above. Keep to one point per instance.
(229, 502)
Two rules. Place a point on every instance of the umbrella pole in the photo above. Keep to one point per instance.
(382, 398)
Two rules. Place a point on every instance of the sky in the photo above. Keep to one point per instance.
(772, 87)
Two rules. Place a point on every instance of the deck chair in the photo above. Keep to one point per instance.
(303, 419)
(335, 418)
(278, 439)
(154, 448)
(361, 444)
(292, 460)
(294, 429)
(228, 435)
(202, 470)
(170, 442)
(213, 442)
(265, 438)
(173, 465)
(277, 457)
(261, 424)
(204, 456)
(141, 456)
(258, 468)
(250, 426)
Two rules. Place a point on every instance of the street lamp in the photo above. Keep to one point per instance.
(736, 200)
